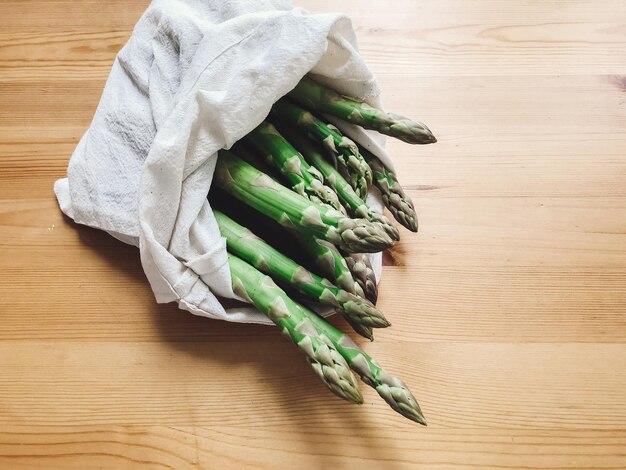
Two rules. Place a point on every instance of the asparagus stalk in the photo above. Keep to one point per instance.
(293, 211)
(280, 154)
(363, 273)
(394, 197)
(355, 205)
(361, 329)
(323, 255)
(319, 98)
(391, 389)
(357, 287)
(328, 260)
(270, 299)
(341, 149)
(247, 246)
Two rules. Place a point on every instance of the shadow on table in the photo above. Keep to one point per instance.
(197, 336)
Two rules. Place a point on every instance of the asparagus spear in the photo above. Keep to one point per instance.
(324, 100)
(270, 299)
(357, 287)
(327, 349)
(357, 206)
(323, 254)
(363, 273)
(391, 389)
(291, 210)
(394, 197)
(328, 261)
(280, 154)
(361, 329)
(247, 246)
(340, 148)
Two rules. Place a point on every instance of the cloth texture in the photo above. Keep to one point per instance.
(195, 77)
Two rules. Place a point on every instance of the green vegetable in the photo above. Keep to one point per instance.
(247, 246)
(264, 294)
(391, 389)
(363, 273)
(328, 260)
(321, 99)
(394, 197)
(362, 330)
(341, 149)
(280, 154)
(293, 211)
(355, 205)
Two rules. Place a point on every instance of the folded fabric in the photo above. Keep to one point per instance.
(195, 77)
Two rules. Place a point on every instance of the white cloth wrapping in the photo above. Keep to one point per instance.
(195, 77)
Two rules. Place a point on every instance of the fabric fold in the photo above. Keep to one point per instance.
(195, 77)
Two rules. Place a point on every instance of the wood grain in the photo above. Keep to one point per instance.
(183, 447)
(508, 308)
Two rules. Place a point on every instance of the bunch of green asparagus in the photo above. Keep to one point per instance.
(303, 183)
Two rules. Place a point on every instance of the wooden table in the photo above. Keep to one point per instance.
(508, 308)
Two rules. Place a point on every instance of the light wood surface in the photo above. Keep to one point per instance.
(508, 309)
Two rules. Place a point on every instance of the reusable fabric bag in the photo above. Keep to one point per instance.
(195, 77)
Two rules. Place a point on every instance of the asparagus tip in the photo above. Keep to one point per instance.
(349, 392)
(367, 333)
(426, 136)
(382, 322)
(371, 292)
(419, 418)
(361, 329)
(406, 217)
(414, 413)
(412, 132)
(399, 397)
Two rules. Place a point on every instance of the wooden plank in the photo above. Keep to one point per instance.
(574, 38)
(457, 301)
(543, 152)
(479, 105)
(287, 447)
(508, 308)
(486, 385)
(495, 269)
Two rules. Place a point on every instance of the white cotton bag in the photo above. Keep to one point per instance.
(195, 77)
